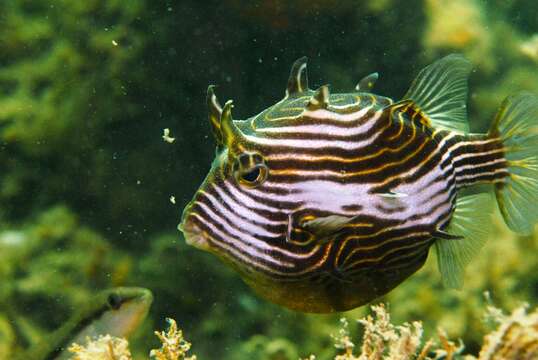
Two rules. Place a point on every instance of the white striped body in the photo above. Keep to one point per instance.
(390, 173)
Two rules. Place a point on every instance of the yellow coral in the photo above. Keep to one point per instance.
(174, 346)
(103, 348)
(343, 342)
(515, 338)
(382, 339)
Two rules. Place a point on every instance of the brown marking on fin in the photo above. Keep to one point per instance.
(412, 110)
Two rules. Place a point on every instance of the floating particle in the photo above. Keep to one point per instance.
(167, 137)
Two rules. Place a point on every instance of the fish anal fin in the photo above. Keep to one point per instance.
(470, 225)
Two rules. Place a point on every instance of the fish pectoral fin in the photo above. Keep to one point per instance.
(471, 225)
(440, 92)
(319, 230)
(325, 227)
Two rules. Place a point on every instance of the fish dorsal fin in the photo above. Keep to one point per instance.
(367, 83)
(463, 238)
(440, 91)
(298, 80)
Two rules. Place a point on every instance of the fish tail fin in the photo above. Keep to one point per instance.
(469, 230)
(516, 124)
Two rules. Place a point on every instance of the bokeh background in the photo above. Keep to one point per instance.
(86, 88)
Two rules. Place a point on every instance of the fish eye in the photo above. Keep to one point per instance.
(114, 301)
(250, 170)
(254, 176)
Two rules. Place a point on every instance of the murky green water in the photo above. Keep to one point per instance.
(91, 195)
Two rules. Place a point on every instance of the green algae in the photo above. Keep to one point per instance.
(85, 91)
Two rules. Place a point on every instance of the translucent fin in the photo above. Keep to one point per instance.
(516, 124)
(471, 221)
(440, 90)
(319, 230)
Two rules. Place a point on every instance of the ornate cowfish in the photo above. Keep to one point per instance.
(323, 202)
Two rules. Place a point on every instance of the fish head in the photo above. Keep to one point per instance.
(223, 216)
(122, 310)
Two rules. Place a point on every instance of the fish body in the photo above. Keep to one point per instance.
(116, 312)
(324, 202)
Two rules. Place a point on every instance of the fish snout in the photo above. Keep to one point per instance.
(192, 233)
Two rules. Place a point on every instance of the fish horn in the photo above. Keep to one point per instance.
(367, 83)
(230, 132)
(215, 111)
(320, 99)
(298, 80)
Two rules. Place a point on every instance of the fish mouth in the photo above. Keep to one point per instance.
(193, 235)
(146, 298)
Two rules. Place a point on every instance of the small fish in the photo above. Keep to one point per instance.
(117, 312)
(324, 202)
